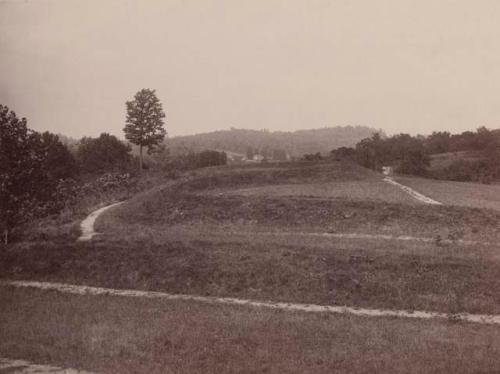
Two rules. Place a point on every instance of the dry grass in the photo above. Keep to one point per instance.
(443, 160)
(171, 240)
(474, 195)
(233, 177)
(115, 335)
(392, 275)
(169, 207)
(197, 236)
(372, 189)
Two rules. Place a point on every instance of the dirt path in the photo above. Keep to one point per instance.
(412, 192)
(442, 241)
(87, 225)
(96, 291)
(24, 367)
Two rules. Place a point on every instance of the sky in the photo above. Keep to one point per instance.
(411, 66)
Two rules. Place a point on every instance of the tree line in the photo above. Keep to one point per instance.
(272, 145)
(480, 150)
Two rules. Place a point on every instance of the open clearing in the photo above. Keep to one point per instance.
(410, 191)
(375, 190)
(72, 289)
(474, 195)
(116, 335)
(326, 233)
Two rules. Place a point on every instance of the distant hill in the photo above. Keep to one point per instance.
(264, 142)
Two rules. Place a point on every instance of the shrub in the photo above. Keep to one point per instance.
(312, 157)
(32, 166)
(104, 154)
(467, 171)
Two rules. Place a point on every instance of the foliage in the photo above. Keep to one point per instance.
(144, 124)
(192, 160)
(103, 154)
(442, 142)
(410, 154)
(57, 166)
(484, 144)
(108, 182)
(438, 142)
(57, 159)
(414, 161)
(210, 158)
(251, 142)
(32, 168)
(18, 166)
(312, 157)
(343, 152)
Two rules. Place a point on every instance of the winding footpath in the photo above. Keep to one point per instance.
(87, 225)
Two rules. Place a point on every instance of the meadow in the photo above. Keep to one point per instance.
(270, 232)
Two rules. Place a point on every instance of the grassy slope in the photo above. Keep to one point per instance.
(194, 236)
(373, 190)
(293, 269)
(303, 214)
(442, 160)
(467, 194)
(361, 273)
(115, 335)
(177, 240)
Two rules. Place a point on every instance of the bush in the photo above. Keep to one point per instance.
(192, 160)
(32, 166)
(104, 154)
(467, 171)
(312, 157)
(414, 162)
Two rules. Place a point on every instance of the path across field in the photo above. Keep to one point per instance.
(99, 291)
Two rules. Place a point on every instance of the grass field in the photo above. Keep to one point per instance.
(371, 190)
(467, 194)
(253, 232)
(114, 335)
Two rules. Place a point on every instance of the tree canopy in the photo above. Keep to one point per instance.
(105, 153)
(31, 168)
(144, 123)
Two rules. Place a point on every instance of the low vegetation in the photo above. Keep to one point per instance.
(116, 335)
(413, 154)
(196, 236)
(272, 145)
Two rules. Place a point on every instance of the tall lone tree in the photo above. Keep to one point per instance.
(144, 124)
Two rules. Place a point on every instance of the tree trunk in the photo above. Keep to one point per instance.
(140, 158)
(6, 236)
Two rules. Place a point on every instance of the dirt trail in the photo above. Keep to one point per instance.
(370, 236)
(412, 192)
(87, 225)
(24, 367)
(95, 291)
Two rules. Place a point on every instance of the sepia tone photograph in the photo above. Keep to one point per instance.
(249, 186)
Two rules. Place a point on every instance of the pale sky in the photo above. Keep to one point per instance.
(401, 65)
